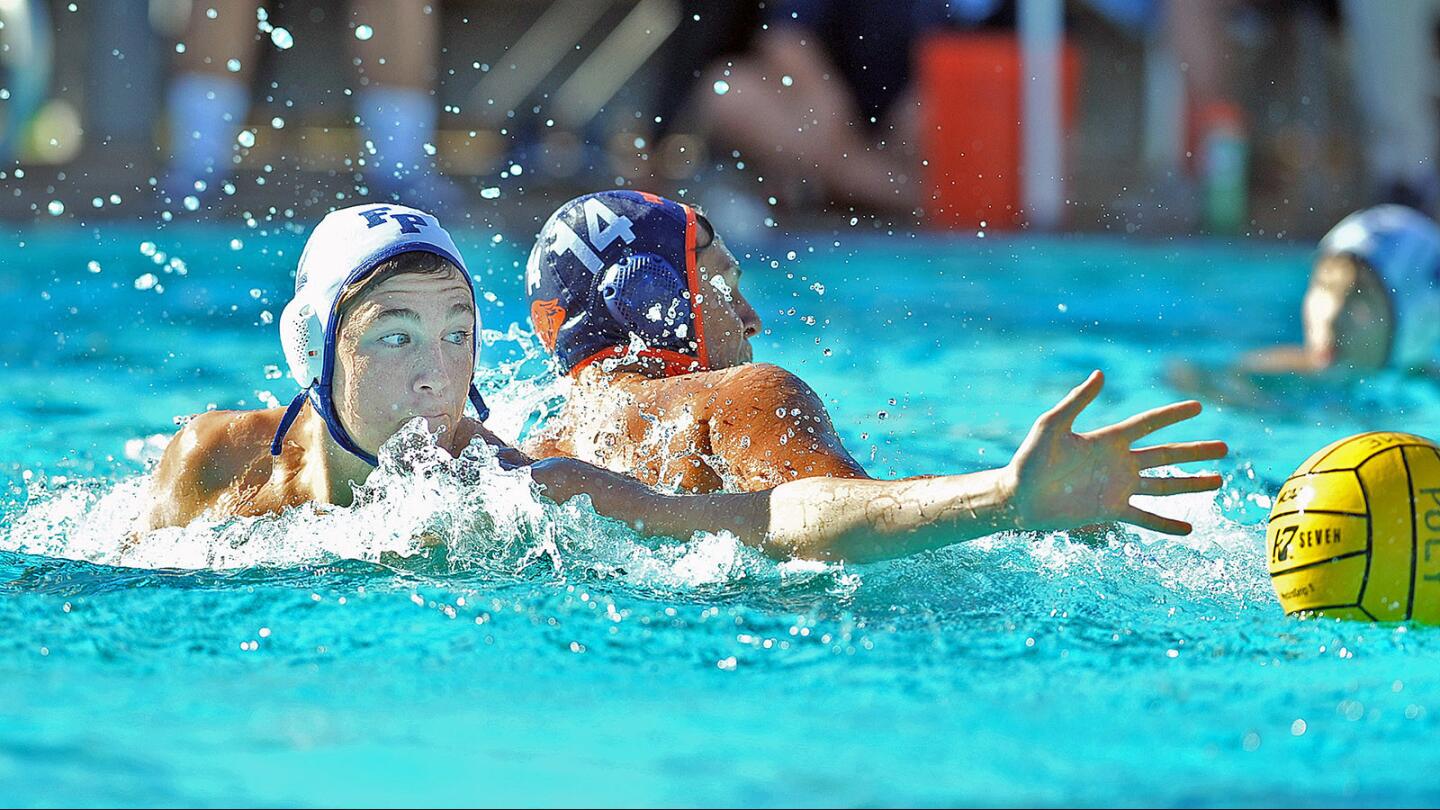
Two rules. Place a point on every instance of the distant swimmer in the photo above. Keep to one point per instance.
(1373, 303)
(641, 303)
(382, 331)
(1373, 300)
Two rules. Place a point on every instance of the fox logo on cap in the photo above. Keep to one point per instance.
(409, 223)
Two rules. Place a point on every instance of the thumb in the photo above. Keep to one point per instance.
(1079, 398)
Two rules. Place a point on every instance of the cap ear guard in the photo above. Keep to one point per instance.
(647, 296)
(303, 340)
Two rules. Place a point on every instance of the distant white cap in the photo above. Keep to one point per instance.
(1402, 245)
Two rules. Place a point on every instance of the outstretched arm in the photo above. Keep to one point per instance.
(814, 518)
(1058, 479)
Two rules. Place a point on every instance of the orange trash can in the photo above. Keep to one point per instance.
(971, 128)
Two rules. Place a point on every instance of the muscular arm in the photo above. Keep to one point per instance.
(1058, 479)
(816, 518)
(1283, 359)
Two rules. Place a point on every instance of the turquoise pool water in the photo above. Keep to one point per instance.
(549, 657)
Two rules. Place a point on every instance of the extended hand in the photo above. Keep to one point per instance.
(1065, 479)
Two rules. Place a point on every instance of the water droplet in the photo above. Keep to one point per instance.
(192, 203)
(882, 415)
(277, 122)
(266, 318)
(147, 248)
(787, 80)
(93, 266)
(246, 138)
(114, 199)
(233, 65)
(98, 202)
(56, 208)
(491, 193)
(146, 281)
(255, 293)
(236, 244)
(282, 39)
(364, 32)
(272, 372)
(721, 87)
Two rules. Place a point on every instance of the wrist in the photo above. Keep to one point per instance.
(1006, 496)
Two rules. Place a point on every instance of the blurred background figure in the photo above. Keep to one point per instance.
(26, 54)
(823, 100)
(395, 46)
(1215, 128)
(914, 112)
(1397, 83)
(1373, 300)
(1393, 72)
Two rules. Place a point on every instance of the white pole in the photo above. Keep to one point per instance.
(1042, 186)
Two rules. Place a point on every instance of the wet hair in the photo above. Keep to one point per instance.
(419, 262)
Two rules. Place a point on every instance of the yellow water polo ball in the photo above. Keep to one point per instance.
(1355, 532)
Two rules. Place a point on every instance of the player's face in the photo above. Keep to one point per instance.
(405, 350)
(729, 320)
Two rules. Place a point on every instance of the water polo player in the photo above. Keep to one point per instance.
(641, 303)
(618, 264)
(1373, 300)
(382, 331)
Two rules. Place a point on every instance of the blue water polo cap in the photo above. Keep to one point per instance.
(344, 248)
(615, 265)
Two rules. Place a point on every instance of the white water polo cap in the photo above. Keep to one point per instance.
(1402, 246)
(344, 248)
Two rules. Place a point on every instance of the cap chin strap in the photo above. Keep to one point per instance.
(325, 407)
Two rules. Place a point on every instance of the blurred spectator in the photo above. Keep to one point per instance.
(1216, 130)
(823, 104)
(1394, 74)
(1397, 81)
(395, 46)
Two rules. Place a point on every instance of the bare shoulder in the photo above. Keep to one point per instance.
(770, 427)
(209, 456)
(768, 387)
(756, 384)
